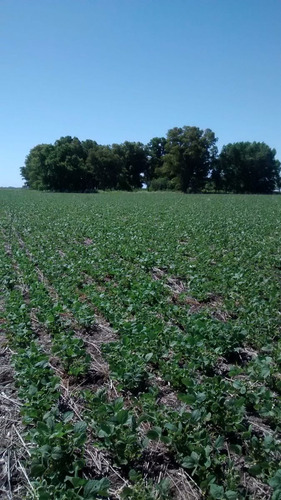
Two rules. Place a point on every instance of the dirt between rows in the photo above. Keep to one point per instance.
(13, 453)
(213, 304)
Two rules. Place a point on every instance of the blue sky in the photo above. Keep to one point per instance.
(116, 70)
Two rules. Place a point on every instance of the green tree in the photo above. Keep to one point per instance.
(248, 167)
(89, 182)
(67, 165)
(36, 171)
(133, 164)
(156, 150)
(58, 167)
(190, 154)
(104, 166)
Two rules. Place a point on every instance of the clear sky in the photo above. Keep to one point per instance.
(116, 70)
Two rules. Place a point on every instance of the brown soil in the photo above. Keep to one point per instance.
(175, 284)
(213, 304)
(13, 451)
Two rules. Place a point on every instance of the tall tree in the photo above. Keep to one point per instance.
(249, 167)
(58, 167)
(133, 160)
(68, 164)
(156, 150)
(36, 170)
(190, 155)
(104, 165)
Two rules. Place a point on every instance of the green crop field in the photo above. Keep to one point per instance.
(144, 334)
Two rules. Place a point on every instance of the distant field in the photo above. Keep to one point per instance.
(145, 333)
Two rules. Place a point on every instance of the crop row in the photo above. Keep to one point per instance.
(57, 441)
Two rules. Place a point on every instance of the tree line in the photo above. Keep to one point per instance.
(186, 159)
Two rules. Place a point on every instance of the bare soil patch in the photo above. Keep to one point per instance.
(213, 304)
(175, 284)
(13, 484)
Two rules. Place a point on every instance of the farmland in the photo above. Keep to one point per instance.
(143, 331)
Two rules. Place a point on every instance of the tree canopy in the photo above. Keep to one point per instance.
(72, 165)
(247, 167)
(190, 153)
(186, 159)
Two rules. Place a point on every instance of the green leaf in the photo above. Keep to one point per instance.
(127, 492)
(43, 495)
(105, 430)
(191, 461)
(171, 427)
(45, 450)
(275, 481)
(80, 427)
(76, 481)
(231, 495)
(94, 488)
(57, 453)
(122, 417)
(189, 399)
(276, 495)
(37, 470)
(236, 448)
(153, 434)
(216, 491)
(165, 439)
(134, 476)
(255, 470)
(187, 382)
(42, 427)
(148, 356)
(219, 442)
(67, 416)
(196, 415)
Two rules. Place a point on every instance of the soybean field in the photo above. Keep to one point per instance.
(140, 346)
